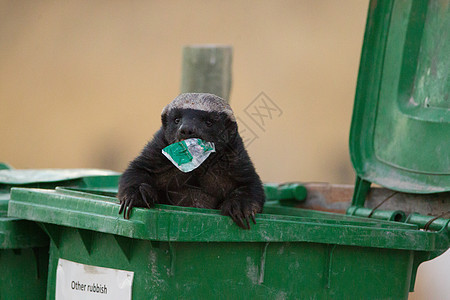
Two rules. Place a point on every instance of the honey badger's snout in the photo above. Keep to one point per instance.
(188, 129)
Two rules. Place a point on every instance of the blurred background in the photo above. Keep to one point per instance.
(83, 83)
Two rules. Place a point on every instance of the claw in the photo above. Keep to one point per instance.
(238, 220)
(248, 223)
(130, 205)
(240, 213)
(241, 223)
(122, 206)
(144, 195)
(125, 210)
(253, 217)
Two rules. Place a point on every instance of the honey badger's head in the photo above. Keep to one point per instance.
(199, 115)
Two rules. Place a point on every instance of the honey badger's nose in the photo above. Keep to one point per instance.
(186, 131)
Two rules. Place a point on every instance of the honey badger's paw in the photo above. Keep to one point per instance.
(138, 196)
(241, 211)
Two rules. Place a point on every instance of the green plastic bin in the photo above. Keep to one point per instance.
(24, 247)
(24, 251)
(188, 253)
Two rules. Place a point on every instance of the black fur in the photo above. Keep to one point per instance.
(227, 179)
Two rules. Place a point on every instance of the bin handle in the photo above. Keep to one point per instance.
(435, 218)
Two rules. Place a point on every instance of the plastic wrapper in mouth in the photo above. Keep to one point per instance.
(189, 154)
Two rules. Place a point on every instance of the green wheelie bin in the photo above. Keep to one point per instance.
(24, 247)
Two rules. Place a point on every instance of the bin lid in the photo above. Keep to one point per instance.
(21, 177)
(400, 132)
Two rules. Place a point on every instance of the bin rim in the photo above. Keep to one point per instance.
(174, 224)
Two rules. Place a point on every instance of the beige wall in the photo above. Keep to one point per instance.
(82, 83)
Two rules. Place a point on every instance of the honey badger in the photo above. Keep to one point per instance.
(226, 180)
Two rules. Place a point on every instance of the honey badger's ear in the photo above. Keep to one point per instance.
(232, 128)
(164, 118)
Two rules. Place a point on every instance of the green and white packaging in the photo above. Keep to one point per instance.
(189, 154)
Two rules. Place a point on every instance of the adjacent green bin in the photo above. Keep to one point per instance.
(24, 247)
(23, 257)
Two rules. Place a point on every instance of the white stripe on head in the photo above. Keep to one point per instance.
(200, 101)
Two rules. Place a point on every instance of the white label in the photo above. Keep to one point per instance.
(78, 281)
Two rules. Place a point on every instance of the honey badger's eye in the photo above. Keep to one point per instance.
(176, 120)
(208, 123)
